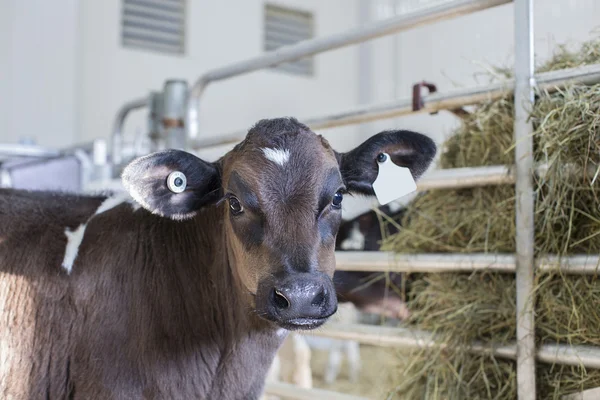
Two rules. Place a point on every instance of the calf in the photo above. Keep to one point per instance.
(191, 294)
(370, 292)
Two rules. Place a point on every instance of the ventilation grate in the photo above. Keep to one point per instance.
(157, 25)
(284, 27)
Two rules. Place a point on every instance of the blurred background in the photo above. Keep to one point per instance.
(86, 86)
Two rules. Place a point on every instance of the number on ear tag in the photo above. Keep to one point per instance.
(392, 181)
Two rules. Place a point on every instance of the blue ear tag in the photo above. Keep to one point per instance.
(176, 182)
(392, 181)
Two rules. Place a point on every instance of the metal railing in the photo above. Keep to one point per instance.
(319, 45)
(451, 100)
(380, 261)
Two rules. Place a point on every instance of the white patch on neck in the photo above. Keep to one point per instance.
(278, 156)
(355, 240)
(75, 238)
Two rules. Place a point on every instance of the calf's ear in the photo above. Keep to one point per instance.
(408, 149)
(172, 183)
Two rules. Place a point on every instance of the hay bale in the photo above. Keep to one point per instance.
(462, 307)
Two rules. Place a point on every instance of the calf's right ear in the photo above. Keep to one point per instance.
(407, 149)
(172, 183)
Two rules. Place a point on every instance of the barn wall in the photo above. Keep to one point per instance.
(38, 71)
(68, 68)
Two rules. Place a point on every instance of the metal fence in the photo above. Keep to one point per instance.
(522, 263)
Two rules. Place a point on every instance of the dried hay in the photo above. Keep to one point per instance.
(463, 307)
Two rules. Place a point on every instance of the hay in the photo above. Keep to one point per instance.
(462, 307)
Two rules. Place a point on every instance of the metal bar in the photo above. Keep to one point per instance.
(590, 394)
(294, 392)
(379, 261)
(117, 133)
(310, 47)
(19, 150)
(455, 178)
(454, 99)
(523, 129)
(587, 356)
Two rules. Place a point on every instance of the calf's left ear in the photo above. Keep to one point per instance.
(407, 149)
(172, 183)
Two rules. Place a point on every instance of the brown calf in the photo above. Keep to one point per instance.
(189, 297)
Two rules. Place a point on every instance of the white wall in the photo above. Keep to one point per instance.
(38, 71)
(219, 33)
(64, 72)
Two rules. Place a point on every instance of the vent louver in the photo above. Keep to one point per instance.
(157, 25)
(286, 26)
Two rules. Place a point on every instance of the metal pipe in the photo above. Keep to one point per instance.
(173, 113)
(288, 391)
(19, 150)
(379, 261)
(455, 178)
(525, 242)
(549, 81)
(586, 356)
(117, 133)
(310, 47)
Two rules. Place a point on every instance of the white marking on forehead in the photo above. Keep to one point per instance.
(75, 238)
(278, 156)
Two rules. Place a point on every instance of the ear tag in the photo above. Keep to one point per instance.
(392, 181)
(176, 182)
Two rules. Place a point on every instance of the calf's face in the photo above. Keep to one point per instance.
(282, 189)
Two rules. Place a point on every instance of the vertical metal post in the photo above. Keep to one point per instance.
(173, 114)
(155, 112)
(524, 84)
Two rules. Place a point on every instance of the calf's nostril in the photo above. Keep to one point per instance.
(279, 300)
(319, 299)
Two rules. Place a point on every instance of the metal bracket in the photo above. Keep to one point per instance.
(418, 103)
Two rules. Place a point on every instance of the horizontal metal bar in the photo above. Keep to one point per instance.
(455, 178)
(294, 392)
(432, 103)
(379, 261)
(20, 150)
(587, 356)
(310, 47)
(454, 99)
(590, 394)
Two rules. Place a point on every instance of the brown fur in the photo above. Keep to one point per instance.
(159, 330)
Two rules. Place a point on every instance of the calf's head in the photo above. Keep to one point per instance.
(280, 192)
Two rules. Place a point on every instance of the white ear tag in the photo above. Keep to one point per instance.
(176, 182)
(392, 181)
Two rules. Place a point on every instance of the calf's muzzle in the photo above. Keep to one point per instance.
(298, 300)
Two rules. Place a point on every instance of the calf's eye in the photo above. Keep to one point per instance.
(337, 199)
(235, 206)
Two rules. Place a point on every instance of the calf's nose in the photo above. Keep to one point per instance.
(300, 298)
